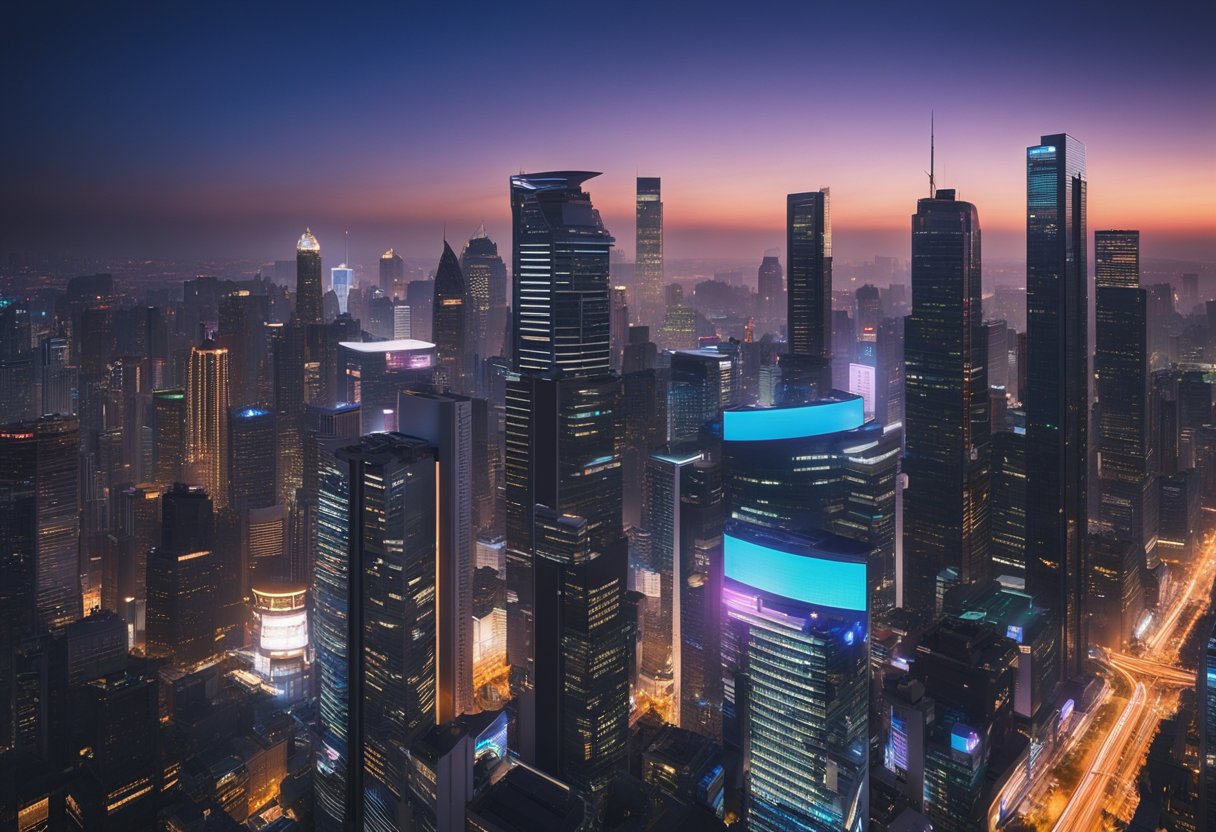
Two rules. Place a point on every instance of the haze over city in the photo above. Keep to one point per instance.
(219, 130)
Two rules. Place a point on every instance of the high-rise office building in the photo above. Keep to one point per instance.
(446, 422)
(1117, 259)
(560, 308)
(449, 323)
(477, 294)
(252, 461)
(392, 275)
(374, 626)
(581, 654)
(798, 605)
(287, 345)
(207, 420)
(1057, 394)
(308, 279)
(184, 575)
(372, 373)
(562, 451)
(1007, 503)
(124, 588)
(698, 659)
(40, 518)
(649, 253)
(661, 632)
(969, 670)
(702, 383)
(485, 275)
(770, 283)
(946, 522)
(168, 436)
(60, 379)
(341, 281)
(806, 368)
(1127, 496)
(243, 319)
(797, 600)
(619, 318)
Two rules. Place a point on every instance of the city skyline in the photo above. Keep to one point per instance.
(836, 521)
(212, 164)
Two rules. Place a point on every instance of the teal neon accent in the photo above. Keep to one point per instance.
(819, 581)
(818, 419)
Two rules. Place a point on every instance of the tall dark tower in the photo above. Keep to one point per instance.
(560, 304)
(1057, 402)
(1127, 490)
(946, 525)
(482, 267)
(650, 246)
(563, 416)
(808, 250)
(375, 626)
(392, 274)
(448, 322)
(308, 279)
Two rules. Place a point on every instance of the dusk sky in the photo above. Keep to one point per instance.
(222, 129)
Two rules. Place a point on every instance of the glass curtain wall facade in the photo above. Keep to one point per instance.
(1057, 398)
(946, 406)
(797, 600)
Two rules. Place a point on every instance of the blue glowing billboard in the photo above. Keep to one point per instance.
(763, 424)
(823, 582)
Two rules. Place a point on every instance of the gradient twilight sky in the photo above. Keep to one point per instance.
(223, 128)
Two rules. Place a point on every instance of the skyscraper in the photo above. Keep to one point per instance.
(341, 279)
(581, 654)
(449, 323)
(650, 246)
(40, 518)
(946, 523)
(797, 600)
(1117, 259)
(1128, 505)
(392, 275)
(375, 626)
(485, 276)
(560, 309)
(372, 373)
(308, 279)
(169, 436)
(1057, 398)
(184, 580)
(446, 422)
(563, 413)
(770, 283)
(477, 291)
(252, 460)
(808, 251)
(703, 383)
(207, 420)
(661, 504)
(698, 654)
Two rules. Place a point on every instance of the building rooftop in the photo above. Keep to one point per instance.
(392, 345)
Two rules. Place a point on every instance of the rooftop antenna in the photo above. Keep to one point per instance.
(346, 262)
(932, 181)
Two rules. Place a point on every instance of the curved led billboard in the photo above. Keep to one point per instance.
(821, 581)
(817, 419)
